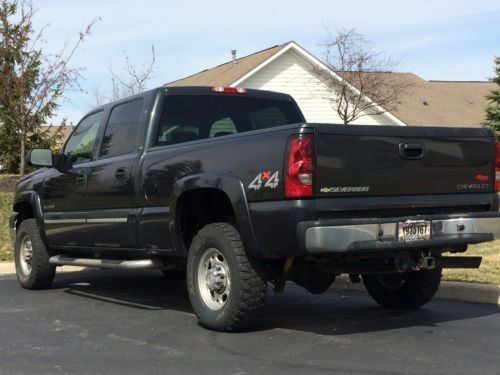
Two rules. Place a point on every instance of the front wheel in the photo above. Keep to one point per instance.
(32, 258)
(403, 290)
(225, 286)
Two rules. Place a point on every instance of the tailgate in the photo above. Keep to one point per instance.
(399, 160)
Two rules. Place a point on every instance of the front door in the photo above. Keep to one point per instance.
(63, 192)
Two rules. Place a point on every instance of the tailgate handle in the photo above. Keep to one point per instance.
(411, 150)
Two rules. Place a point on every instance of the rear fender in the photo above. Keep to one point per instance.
(234, 190)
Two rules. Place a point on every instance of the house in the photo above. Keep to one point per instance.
(290, 69)
(64, 132)
(286, 68)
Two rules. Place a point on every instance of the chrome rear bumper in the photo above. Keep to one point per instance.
(382, 235)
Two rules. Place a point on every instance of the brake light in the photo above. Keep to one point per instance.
(300, 166)
(497, 166)
(229, 90)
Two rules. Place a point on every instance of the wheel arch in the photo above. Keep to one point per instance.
(27, 205)
(223, 185)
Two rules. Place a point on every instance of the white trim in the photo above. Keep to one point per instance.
(313, 60)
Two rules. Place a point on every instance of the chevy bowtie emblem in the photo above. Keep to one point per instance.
(482, 177)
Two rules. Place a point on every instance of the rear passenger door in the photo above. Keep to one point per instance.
(110, 189)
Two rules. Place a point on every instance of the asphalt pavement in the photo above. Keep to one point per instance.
(132, 322)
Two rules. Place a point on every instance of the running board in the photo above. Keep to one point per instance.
(62, 260)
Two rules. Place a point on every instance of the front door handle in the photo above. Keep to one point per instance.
(121, 174)
(81, 178)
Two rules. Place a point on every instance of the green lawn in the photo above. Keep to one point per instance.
(490, 267)
(5, 212)
(488, 273)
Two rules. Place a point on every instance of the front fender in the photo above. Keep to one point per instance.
(29, 197)
(235, 191)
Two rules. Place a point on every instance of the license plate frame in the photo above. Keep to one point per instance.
(414, 230)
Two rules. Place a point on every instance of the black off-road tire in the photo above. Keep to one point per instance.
(248, 287)
(415, 288)
(42, 273)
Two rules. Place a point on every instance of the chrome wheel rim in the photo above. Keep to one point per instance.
(213, 279)
(26, 255)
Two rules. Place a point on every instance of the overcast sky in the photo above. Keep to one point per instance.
(443, 40)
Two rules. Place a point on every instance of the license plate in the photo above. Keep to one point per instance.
(414, 230)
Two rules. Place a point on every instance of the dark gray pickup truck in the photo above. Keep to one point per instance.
(234, 189)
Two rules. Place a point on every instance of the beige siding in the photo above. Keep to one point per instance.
(290, 74)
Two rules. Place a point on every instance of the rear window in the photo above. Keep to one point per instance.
(187, 118)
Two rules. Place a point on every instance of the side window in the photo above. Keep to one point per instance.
(120, 136)
(223, 126)
(81, 143)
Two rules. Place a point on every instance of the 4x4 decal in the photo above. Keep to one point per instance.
(265, 179)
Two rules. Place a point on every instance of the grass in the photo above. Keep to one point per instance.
(5, 212)
(488, 273)
(490, 267)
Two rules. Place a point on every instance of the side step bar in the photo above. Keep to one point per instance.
(62, 260)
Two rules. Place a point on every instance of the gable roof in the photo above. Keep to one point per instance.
(232, 74)
(227, 73)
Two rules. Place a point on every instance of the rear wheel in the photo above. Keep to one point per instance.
(403, 290)
(32, 257)
(226, 288)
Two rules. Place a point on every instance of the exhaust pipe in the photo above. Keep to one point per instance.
(61, 260)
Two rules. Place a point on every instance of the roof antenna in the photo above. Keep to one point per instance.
(233, 52)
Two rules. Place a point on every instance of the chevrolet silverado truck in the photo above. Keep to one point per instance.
(235, 189)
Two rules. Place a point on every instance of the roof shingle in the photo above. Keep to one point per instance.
(441, 103)
(227, 73)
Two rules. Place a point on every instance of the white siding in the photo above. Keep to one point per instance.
(290, 74)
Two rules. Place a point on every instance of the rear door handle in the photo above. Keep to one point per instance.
(121, 174)
(411, 150)
(81, 178)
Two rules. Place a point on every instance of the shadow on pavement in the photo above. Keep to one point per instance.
(333, 313)
(148, 290)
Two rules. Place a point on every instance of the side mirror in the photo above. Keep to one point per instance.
(40, 158)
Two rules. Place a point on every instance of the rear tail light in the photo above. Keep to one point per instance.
(497, 166)
(229, 90)
(300, 166)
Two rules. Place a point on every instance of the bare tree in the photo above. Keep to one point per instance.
(358, 76)
(132, 80)
(32, 82)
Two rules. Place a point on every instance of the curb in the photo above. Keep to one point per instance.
(8, 268)
(453, 290)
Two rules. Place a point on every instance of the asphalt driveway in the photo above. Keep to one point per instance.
(140, 322)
